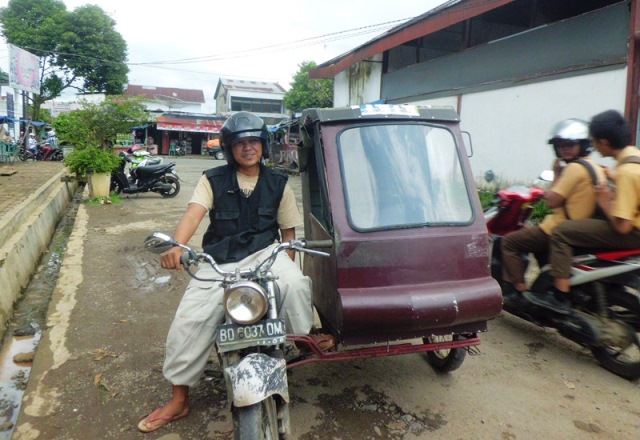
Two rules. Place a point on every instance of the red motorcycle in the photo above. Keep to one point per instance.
(604, 285)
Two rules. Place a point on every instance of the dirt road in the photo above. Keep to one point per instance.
(98, 368)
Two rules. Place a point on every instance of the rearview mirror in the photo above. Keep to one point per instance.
(159, 243)
(547, 176)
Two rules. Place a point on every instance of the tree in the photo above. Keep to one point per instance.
(79, 49)
(99, 124)
(306, 92)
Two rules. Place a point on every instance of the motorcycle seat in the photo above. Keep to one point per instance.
(147, 170)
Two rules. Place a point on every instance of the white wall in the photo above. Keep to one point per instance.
(510, 127)
(365, 90)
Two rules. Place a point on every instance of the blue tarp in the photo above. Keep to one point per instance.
(5, 119)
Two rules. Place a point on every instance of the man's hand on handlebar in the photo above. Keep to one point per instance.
(171, 259)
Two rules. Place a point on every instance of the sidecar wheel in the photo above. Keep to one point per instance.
(623, 361)
(256, 422)
(444, 361)
(175, 186)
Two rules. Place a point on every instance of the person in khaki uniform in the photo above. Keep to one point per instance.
(572, 194)
(251, 208)
(621, 228)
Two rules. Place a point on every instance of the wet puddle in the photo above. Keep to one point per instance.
(29, 316)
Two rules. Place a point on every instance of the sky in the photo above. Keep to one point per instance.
(189, 44)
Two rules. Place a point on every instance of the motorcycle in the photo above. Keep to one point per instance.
(406, 271)
(251, 343)
(605, 316)
(53, 153)
(156, 178)
(34, 153)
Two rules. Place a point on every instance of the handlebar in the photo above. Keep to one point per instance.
(191, 257)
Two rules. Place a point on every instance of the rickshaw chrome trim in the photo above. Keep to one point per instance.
(245, 302)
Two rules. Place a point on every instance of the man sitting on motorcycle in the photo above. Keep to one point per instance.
(571, 195)
(621, 228)
(250, 207)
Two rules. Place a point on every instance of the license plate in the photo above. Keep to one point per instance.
(265, 332)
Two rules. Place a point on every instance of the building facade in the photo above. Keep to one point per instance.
(510, 68)
(262, 98)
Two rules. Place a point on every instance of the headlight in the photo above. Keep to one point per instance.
(245, 302)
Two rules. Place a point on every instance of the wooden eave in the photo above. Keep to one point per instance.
(426, 24)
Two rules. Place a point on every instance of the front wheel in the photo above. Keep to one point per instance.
(115, 186)
(220, 155)
(444, 361)
(256, 422)
(175, 186)
(621, 357)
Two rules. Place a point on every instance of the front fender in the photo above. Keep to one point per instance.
(256, 377)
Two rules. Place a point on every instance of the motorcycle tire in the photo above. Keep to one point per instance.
(115, 187)
(175, 186)
(57, 156)
(256, 422)
(445, 361)
(625, 362)
(220, 155)
(181, 153)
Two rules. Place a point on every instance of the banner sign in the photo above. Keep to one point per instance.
(198, 128)
(10, 106)
(24, 70)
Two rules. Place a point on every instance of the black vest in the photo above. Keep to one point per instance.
(240, 225)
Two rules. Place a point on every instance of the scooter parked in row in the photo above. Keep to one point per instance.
(605, 316)
(155, 178)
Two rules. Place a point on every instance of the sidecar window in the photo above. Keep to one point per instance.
(401, 176)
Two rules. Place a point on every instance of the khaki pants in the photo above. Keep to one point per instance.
(588, 233)
(192, 334)
(515, 245)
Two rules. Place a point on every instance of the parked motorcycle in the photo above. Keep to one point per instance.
(156, 178)
(251, 343)
(604, 286)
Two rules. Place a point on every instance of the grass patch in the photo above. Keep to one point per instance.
(112, 199)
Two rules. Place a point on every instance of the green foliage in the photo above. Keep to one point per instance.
(83, 161)
(306, 92)
(100, 124)
(112, 199)
(79, 49)
(486, 197)
(540, 211)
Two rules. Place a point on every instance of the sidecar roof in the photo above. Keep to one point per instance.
(382, 111)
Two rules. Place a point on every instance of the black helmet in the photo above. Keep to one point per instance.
(575, 130)
(241, 125)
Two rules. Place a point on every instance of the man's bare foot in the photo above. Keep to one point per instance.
(162, 417)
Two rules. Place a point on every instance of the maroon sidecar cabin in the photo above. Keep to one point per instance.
(392, 187)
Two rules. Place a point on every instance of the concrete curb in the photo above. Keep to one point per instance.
(25, 233)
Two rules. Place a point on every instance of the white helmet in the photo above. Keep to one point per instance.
(575, 130)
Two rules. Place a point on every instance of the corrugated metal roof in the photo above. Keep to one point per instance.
(441, 17)
(249, 86)
(152, 92)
